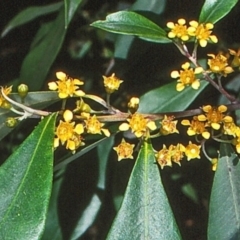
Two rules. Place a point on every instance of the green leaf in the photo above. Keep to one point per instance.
(37, 100)
(25, 185)
(30, 14)
(71, 7)
(145, 212)
(39, 60)
(224, 212)
(131, 23)
(167, 98)
(214, 10)
(90, 213)
(124, 42)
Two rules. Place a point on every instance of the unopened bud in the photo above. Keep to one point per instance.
(11, 122)
(22, 90)
(82, 107)
(133, 104)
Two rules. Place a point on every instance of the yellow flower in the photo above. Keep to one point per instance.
(178, 30)
(218, 64)
(124, 150)
(67, 86)
(139, 125)
(230, 128)
(214, 116)
(3, 102)
(192, 151)
(202, 32)
(187, 77)
(164, 157)
(168, 126)
(93, 126)
(196, 127)
(236, 57)
(67, 132)
(177, 153)
(111, 83)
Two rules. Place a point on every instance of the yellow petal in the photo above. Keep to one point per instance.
(124, 127)
(215, 126)
(106, 132)
(63, 95)
(174, 74)
(56, 142)
(79, 128)
(77, 82)
(203, 43)
(186, 65)
(79, 93)
(180, 87)
(196, 84)
(170, 25)
(53, 86)
(206, 135)
(151, 125)
(185, 122)
(61, 75)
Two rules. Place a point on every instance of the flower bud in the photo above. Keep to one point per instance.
(22, 90)
(82, 107)
(133, 104)
(11, 122)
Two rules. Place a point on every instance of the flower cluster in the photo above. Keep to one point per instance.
(202, 32)
(69, 133)
(175, 153)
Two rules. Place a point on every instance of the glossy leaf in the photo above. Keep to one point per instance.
(25, 184)
(30, 14)
(214, 10)
(224, 212)
(90, 213)
(124, 42)
(37, 100)
(167, 98)
(131, 23)
(145, 212)
(71, 7)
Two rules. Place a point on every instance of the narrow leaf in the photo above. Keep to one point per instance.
(25, 185)
(224, 213)
(145, 212)
(167, 98)
(39, 60)
(30, 14)
(131, 23)
(214, 10)
(71, 7)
